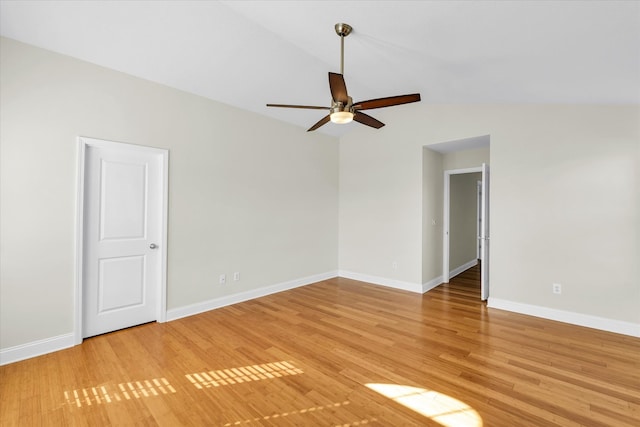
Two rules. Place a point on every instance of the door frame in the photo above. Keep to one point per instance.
(446, 218)
(83, 143)
(485, 233)
(479, 219)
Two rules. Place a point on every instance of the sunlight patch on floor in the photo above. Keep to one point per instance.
(439, 407)
(289, 413)
(358, 423)
(124, 391)
(243, 374)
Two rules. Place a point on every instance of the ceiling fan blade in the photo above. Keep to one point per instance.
(338, 88)
(321, 122)
(386, 102)
(366, 119)
(309, 107)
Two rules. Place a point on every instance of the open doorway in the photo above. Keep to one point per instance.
(461, 220)
(464, 226)
(463, 156)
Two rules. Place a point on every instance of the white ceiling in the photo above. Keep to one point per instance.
(249, 53)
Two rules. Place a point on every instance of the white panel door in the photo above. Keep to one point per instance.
(123, 214)
(484, 235)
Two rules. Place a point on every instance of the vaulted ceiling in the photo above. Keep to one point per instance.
(249, 53)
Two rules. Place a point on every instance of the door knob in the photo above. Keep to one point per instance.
(153, 246)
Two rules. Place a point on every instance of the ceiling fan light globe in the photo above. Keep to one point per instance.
(341, 117)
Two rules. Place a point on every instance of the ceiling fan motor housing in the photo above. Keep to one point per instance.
(338, 106)
(341, 113)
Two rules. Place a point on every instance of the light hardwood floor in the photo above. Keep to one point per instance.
(337, 353)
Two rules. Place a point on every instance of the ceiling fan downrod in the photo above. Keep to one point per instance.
(343, 30)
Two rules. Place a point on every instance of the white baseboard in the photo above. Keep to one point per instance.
(49, 345)
(212, 304)
(601, 323)
(463, 267)
(438, 280)
(35, 348)
(382, 281)
(432, 284)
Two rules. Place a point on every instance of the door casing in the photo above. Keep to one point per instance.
(446, 224)
(83, 143)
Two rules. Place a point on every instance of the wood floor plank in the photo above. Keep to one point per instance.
(335, 353)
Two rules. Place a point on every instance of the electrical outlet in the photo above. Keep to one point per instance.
(394, 265)
(236, 276)
(557, 288)
(223, 279)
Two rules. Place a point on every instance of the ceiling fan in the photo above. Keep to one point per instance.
(343, 109)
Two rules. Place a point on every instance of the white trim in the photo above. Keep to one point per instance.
(382, 281)
(446, 220)
(77, 295)
(463, 171)
(485, 234)
(479, 219)
(446, 201)
(61, 342)
(601, 323)
(463, 267)
(36, 348)
(162, 307)
(83, 142)
(212, 304)
(433, 283)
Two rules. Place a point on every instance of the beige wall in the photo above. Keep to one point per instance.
(564, 199)
(246, 193)
(254, 195)
(432, 215)
(464, 159)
